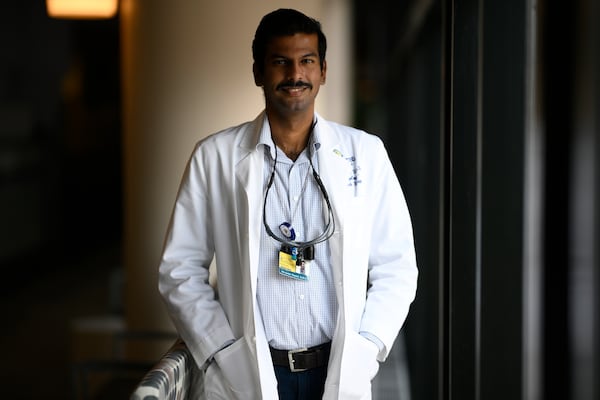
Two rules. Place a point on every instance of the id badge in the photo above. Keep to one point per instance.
(297, 269)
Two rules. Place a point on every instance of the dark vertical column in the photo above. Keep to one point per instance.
(502, 191)
(487, 189)
(444, 223)
(584, 174)
(463, 162)
(557, 58)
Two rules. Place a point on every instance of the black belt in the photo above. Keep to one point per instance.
(302, 359)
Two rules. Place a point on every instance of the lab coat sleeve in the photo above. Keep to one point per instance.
(392, 261)
(184, 269)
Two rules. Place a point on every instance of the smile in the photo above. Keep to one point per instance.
(294, 88)
(294, 91)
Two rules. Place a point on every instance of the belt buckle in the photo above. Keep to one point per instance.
(292, 361)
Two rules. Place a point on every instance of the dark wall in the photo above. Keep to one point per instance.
(489, 111)
(59, 136)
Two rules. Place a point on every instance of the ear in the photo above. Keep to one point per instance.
(258, 78)
(324, 72)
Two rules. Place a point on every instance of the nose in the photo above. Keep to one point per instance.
(294, 71)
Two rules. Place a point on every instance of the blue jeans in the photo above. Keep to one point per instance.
(305, 385)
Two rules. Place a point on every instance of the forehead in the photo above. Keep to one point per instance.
(297, 44)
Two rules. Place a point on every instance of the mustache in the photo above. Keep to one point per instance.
(292, 84)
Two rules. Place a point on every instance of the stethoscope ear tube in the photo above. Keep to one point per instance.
(289, 240)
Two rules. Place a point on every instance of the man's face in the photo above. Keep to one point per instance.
(292, 74)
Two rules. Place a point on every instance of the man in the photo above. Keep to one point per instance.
(310, 232)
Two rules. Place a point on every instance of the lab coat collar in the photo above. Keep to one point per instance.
(265, 138)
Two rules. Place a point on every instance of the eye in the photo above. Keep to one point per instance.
(308, 61)
(279, 61)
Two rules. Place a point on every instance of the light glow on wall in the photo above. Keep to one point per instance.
(82, 9)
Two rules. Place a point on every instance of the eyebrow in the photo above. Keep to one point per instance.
(309, 54)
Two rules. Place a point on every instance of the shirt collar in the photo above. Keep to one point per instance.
(265, 139)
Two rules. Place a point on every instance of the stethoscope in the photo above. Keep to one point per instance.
(288, 241)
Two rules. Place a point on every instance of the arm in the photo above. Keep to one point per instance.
(183, 272)
(392, 261)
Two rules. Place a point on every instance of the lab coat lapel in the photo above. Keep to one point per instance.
(332, 169)
(249, 174)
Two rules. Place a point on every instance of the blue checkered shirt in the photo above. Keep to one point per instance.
(295, 313)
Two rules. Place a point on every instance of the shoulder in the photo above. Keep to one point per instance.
(232, 140)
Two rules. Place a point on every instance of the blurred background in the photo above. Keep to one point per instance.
(490, 113)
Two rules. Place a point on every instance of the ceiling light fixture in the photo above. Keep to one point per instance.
(82, 9)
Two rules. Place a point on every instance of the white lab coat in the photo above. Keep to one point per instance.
(218, 213)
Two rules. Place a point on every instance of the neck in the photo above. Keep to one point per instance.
(291, 135)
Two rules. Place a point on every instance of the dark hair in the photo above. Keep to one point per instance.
(284, 22)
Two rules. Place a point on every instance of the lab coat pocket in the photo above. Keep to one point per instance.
(215, 387)
(235, 373)
(360, 366)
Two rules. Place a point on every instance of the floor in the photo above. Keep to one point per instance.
(38, 341)
(392, 380)
(40, 306)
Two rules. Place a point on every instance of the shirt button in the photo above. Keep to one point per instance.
(301, 297)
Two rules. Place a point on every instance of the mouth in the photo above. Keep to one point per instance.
(294, 89)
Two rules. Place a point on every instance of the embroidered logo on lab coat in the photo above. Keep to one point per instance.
(354, 178)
